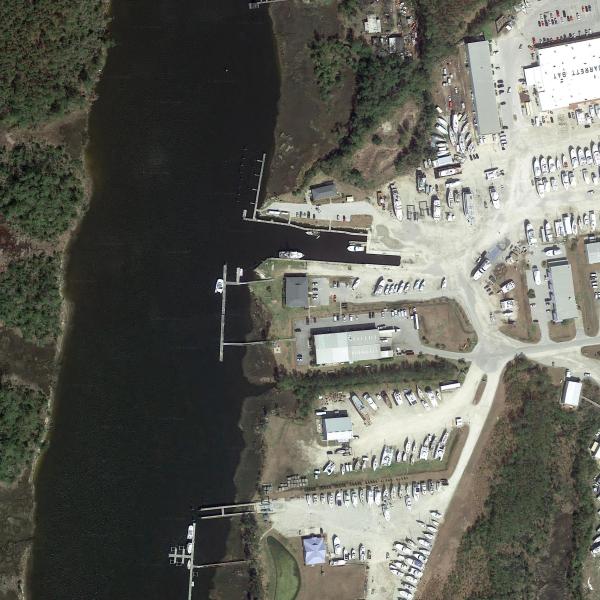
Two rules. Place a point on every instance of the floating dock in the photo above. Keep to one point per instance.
(184, 555)
(223, 304)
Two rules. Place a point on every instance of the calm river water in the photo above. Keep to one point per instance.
(145, 420)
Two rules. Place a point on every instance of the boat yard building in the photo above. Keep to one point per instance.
(323, 191)
(592, 251)
(560, 284)
(566, 74)
(482, 83)
(296, 291)
(314, 550)
(571, 392)
(348, 346)
(337, 426)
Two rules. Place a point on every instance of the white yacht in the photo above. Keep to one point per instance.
(219, 286)
(293, 254)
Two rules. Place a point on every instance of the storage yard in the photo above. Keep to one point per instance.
(504, 223)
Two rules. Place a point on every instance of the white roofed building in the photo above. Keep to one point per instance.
(347, 346)
(566, 74)
(571, 392)
(337, 427)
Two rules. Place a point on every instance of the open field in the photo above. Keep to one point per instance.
(444, 325)
(584, 293)
(285, 572)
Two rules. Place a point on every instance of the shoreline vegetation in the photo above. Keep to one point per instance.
(52, 55)
(334, 81)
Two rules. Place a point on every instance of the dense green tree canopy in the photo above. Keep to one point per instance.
(40, 189)
(21, 426)
(50, 51)
(30, 298)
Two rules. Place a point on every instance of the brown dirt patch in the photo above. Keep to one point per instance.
(306, 124)
(562, 332)
(591, 351)
(376, 161)
(444, 325)
(584, 293)
(282, 440)
(523, 328)
(479, 391)
(466, 505)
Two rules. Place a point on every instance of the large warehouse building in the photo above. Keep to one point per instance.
(566, 74)
(560, 281)
(482, 82)
(349, 346)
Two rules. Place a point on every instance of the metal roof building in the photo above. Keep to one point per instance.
(314, 550)
(482, 83)
(323, 191)
(560, 282)
(567, 74)
(337, 427)
(296, 291)
(592, 251)
(571, 392)
(347, 346)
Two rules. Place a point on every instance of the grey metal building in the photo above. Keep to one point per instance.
(482, 83)
(560, 284)
(323, 191)
(337, 426)
(347, 346)
(296, 291)
(592, 251)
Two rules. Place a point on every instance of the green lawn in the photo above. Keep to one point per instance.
(286, 572)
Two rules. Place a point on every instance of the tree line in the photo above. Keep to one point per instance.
(50, 53)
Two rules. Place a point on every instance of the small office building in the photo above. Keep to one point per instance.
(323, 191)
(296, 291)
(314, 550)
(337, 427)
(592, 251)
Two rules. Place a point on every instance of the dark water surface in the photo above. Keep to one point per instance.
(145, 421)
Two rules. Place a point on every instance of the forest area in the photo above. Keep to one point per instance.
(537, 522)
(51, 54)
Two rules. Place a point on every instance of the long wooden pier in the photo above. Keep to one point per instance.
(257, 190)
(234, 510)
(260, 3)
(223, 305)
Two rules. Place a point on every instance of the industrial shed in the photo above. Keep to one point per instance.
(347, 346)
(482, 83)
(560, 282)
